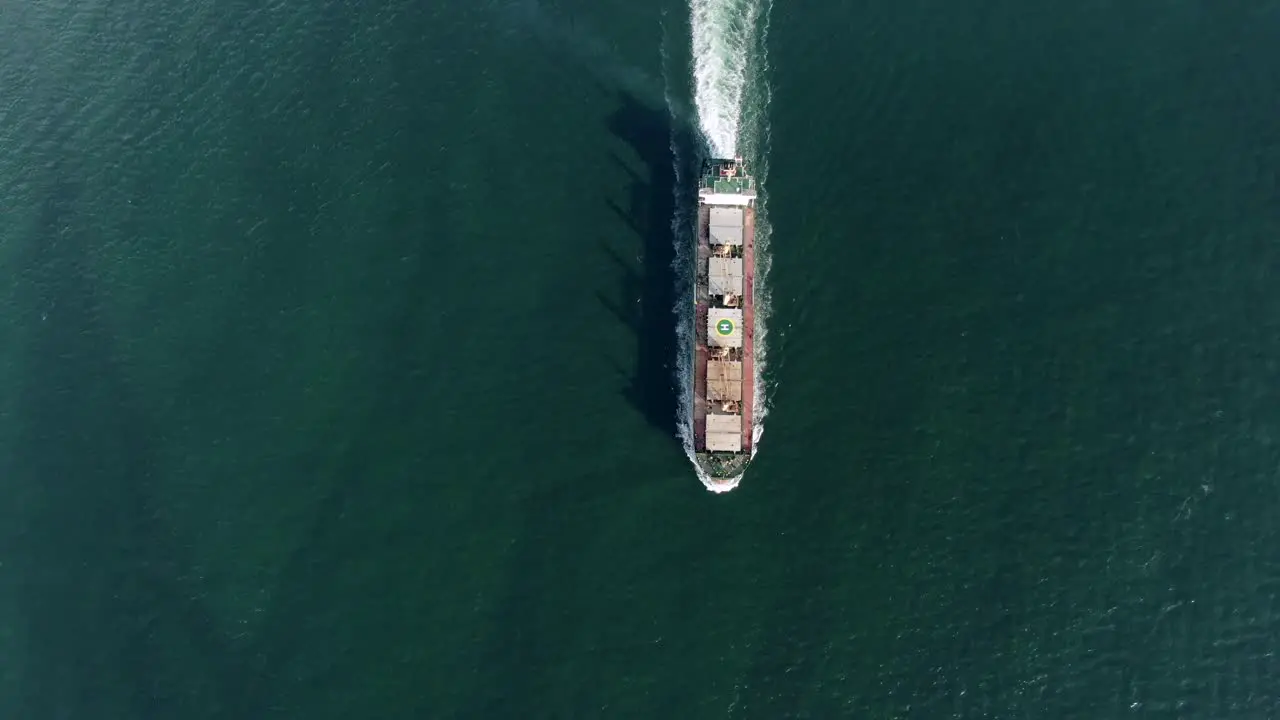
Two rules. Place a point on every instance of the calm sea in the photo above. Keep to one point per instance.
(337, 349)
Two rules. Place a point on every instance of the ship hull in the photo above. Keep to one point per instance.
(724, 377)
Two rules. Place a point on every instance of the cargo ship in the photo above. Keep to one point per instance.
(724, 321)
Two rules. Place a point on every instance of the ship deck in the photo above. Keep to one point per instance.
(701, 353)
(700, 301)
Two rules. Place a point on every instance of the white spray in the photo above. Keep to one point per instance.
(724, 39)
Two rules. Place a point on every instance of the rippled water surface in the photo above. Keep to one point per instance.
(336, 346)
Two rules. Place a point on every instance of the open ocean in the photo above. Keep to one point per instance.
(338, 354)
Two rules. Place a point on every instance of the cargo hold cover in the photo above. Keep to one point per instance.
(724, 380)
(724, 433)
(725, 276)
(724, 327)
(726, 226)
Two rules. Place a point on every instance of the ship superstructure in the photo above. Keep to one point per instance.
(724, 325)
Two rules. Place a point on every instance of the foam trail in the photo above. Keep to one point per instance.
(682, 265)
(755, 147)
(731, 95)
(724, 32)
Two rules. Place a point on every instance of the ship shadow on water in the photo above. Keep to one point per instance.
(647, 296)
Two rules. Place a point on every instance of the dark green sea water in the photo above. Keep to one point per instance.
(336, 346)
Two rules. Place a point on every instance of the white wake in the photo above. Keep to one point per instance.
(724, 40)
(731, 95)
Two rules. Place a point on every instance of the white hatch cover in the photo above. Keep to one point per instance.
(724, 433)
(727, 216)
(726, 226)
(724, 380)
(725, 276)
(724, 327)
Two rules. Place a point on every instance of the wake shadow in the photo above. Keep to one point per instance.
(108, 601)
(117, 621)
(101, 567)
(649, 293)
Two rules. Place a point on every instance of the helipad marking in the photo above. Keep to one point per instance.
(724, 327)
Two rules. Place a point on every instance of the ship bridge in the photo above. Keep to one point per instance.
(724, 185)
